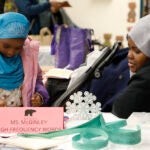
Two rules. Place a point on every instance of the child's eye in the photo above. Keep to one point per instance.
(135, 49)
(18, 48)
(6, 46)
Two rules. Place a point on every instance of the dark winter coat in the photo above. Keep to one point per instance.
(135, 98)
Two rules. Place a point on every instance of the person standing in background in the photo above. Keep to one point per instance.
(32, 10)
(50, 17)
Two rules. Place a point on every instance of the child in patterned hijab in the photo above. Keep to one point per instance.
(20, 74)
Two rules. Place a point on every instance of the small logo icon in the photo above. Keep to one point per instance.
(29, 112)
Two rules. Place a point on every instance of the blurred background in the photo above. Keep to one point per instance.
(110, 19)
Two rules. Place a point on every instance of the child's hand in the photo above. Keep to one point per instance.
(55, 6)
(36, 100)
(2, 103)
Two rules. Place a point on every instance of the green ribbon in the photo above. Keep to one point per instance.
(96, 133)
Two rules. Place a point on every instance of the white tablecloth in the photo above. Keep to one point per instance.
(142, 119)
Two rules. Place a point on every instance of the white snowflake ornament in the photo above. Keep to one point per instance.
(82, 106)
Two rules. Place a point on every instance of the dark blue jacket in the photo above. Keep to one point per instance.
(31, 9)
(134, 98)
(114, 79)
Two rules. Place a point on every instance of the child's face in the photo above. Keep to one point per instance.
(11, 47)
(136, 59)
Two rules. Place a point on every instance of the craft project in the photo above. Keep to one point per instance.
(131, 14)
(107, 38)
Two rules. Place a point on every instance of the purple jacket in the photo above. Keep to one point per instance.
(32, 73)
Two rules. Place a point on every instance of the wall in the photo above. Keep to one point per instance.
(104, 16)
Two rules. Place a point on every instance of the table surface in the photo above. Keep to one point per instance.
(64, 143)
(141, 119)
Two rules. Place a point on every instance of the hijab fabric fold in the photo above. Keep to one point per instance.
(13, 25)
